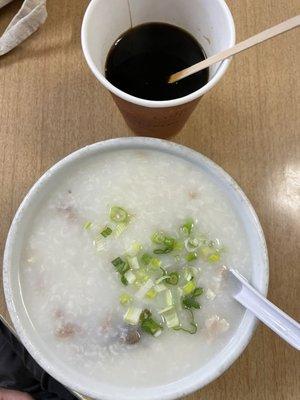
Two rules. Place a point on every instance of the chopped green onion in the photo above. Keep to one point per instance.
(120, 228)
(189, 287)
(99, 242)
(155, 262)
(171, 317)
(132, 315)
(124, 280)
(125, 299)
(165, 250)
(169, 298)
(214, 257)
(189, 302)
(198, 292)
(142, 276)
(191, 244)
(191, 256)
(106, 232)
(135, 248)
(120, 265)
(151, 294)
(144, 289)
(133, 262)
(173, 278)
(158, 237)
(145, 314)
(148, 324)
(146, 258)
(188, 274)
(130, 277)
(169, 244)
(206, 251)
(178, 245)
(187, 226)
(118, 214)
(193, 328)
(87, 225)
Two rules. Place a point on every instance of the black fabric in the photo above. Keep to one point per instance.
(19, 371)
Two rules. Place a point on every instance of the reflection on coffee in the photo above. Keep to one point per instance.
(141, 60)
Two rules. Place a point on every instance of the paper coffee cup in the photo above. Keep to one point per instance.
(209, 21)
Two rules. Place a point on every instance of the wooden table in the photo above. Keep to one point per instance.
(50, 105)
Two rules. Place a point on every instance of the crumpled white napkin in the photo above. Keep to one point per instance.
(30, 17)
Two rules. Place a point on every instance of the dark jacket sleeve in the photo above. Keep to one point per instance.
(19, 371)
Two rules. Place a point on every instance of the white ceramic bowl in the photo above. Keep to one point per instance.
(30, 337)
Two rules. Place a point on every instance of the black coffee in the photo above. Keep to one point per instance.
(142, 59)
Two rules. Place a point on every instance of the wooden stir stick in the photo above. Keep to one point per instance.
(238, 48)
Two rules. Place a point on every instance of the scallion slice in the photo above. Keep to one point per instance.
(151, 294)
(133, 262)
(188, 274)
(146, 259)
(190, 302)
(124, 280)
(187, 226)
(193, 329)
(132, 315)
(173, 278)
(125, 298)
(130, 277)
(191, 244)
(171, 317)
(169, 298)
(198, 292)
(106, 231)
(144, 289)
(158, 237)
(214, 257)
(169, 244)
(189, 287)
(120, 265)
(192, 256)
(148, 324)
(155, 262)
(87, 225)
(135, 248)
(118, 214)
(120, 228)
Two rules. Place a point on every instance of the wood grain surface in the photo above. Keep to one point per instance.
(50, 105)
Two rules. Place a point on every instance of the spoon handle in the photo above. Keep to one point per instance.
(238, 48)
(267, 312)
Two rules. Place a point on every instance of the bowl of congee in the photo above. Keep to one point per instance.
(115, 270)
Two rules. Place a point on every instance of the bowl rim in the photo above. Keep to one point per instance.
(155, 103)
(191, 382)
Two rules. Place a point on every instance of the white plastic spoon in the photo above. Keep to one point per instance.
(264, 310)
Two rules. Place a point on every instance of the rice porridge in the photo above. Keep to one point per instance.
(122, 272)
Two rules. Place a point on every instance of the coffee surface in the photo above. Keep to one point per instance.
(142, 59)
